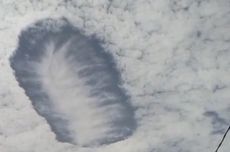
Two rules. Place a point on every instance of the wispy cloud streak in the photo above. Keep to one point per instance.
(74, 84)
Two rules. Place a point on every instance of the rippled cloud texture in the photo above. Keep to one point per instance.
(171, 76)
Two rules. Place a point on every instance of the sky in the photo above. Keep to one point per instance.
(166, 62)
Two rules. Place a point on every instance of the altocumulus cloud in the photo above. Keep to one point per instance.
(159, 82)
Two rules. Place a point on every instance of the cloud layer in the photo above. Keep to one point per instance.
(173, 59)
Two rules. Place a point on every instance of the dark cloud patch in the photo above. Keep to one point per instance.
(219, 124)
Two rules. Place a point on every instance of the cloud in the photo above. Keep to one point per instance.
(172, 57)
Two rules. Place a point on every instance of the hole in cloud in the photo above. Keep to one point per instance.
(73, 83)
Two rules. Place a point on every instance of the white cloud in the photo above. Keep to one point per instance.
(169, 69)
